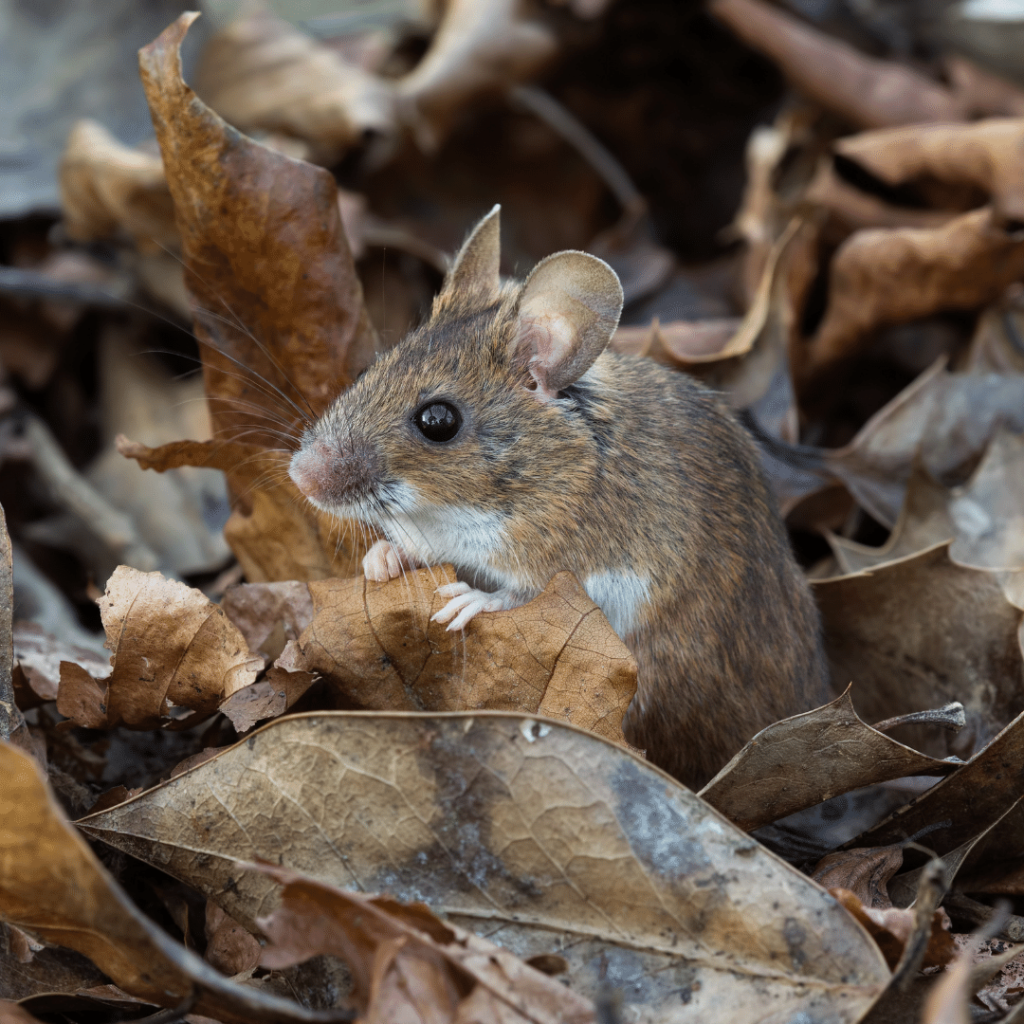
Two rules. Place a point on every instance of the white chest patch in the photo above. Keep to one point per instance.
(468, 537)
(621, 596)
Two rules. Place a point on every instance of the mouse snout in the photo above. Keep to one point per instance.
(331, 473)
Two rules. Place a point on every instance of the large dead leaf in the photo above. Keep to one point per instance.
(407, 963)
(988, 155)
(543, 837)
(52, 886)
(809, 758)
(881, 276)
(172, 647)
(554, 656)
(921, 632)
(259, 72)
(867, 92)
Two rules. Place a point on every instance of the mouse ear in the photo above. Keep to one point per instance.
(473, 278)
(568, 309)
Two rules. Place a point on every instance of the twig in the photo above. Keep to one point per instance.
(7, 711)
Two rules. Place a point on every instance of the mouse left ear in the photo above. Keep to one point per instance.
(473, 279)
(568, 309)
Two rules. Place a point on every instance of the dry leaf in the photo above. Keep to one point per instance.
(172, 647)
(804, 760)
(863, 872)
(52, 886)
(479, 49)
(867, 92)
(409, 965)
(260, 72)
(678, 343)
(983, 93)
(979, 958)
(903, 634)
(269, 614)
(39, 654)
(881, 276)
(555, 656)
(539, 834)
(988, 155)
(108, 190)
(229, 947)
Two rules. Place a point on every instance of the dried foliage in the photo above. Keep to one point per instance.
(296, 797)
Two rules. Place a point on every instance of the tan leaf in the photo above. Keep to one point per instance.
(260, 72)
(229, 947)
(108, 189)
(528, 831)
(863, 872)
(479, 49)
(804, 760)
(172, 647)
(867, 92)
(39, 655)
(881, 276)
(554, 656)
(405, 960)
(269, 614)
(900, 660)
(988, 155)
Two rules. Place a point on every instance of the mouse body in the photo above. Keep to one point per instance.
(503, 437)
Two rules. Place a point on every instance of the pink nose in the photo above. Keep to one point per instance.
(311, 470)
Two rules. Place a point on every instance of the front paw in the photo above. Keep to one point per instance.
(466, 603)
(385, 561)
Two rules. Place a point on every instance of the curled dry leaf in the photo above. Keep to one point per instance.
(680, 342)
(260, 72)
(38, 655)
(536, 833)
(556, 655)
(269, 614)
(53, 887)
(290, 283)
(407, 963)
(881, 276)
(108, 189)
(988, 155)
(804, 760)
(479, 49)
(868, 93)
(903, 634)
(863, 872)
(172, 647)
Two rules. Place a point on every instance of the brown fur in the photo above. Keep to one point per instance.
(632, 466)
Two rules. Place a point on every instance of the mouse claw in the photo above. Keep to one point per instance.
(466, 603)
(385, 561)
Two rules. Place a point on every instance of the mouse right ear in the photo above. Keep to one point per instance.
(473, 279)
(568, 309)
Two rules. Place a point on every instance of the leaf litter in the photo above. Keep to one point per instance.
(426, 794)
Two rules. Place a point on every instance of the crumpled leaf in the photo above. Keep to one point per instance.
(269, 614)
(52, 886)
(523, 830)
(172, 647)
(901, 660)
(864, 872)
(38, 655)
(988, 155)
(867, 92)
(479, 48)
(809, 758)
(407, 963)
(260, 72)
(108, 189)
(880, 276)
(556, 655)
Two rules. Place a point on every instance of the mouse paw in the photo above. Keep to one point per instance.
(385, 561)
(466, 603)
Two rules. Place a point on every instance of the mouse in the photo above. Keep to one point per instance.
(504, 437)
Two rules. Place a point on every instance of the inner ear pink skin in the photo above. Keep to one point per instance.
(550, 340)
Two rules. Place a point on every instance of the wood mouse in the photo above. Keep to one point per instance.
(503, 437)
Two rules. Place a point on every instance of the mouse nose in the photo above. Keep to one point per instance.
(332, 474)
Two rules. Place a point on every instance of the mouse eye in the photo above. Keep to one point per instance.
(438, 421)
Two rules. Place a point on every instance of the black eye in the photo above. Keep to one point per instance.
(438, 421)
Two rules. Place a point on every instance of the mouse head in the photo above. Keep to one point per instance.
(475, 408)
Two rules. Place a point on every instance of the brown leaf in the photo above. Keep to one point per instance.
(269, 614)
(979, 957)
(229, 947)
(479, 49)
(862, 872)
(868, 93)
(12, 1013)
(264, 237)
(407, 961)
(983, 93)
(804, 760)
(880, 276)
(39, 655)
(901, 660)
(52, 885)
(172, 647)
(108, 189)
(987, 155)
(526, 830)
(678, 343)
(260, 72)
(554, 656)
